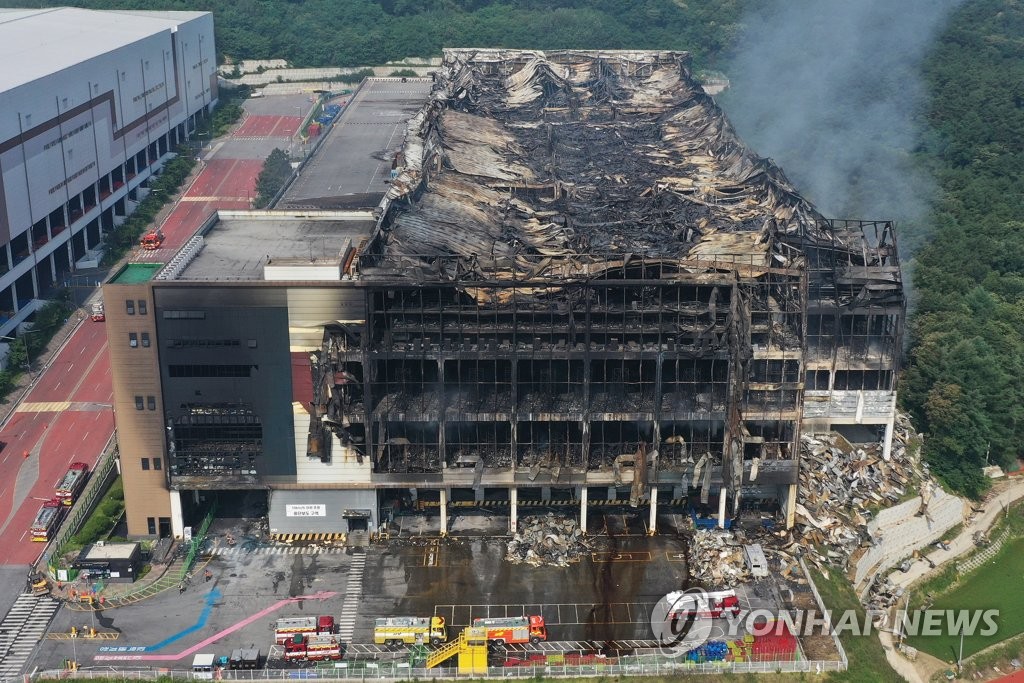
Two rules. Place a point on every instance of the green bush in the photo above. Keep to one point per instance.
(102, 520)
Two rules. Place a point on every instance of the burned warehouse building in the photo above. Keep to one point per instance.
(579, 287)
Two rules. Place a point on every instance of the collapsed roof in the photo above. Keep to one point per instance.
(528, 164)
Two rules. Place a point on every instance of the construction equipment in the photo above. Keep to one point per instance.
(410, 630)
(285, 629)
(470, 646)
(508, 630)
(152, 239)
(97, 314)
(41, 587)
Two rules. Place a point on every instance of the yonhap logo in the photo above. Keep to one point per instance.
(681, 622)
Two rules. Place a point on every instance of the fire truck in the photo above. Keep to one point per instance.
(313, 648)
(152, 239)
(48, 520)
(72, 483)
(410, 630)
(514, 629)
(285, 629)
(702, 604)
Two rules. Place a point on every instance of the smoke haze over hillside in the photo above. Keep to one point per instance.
(832, 91)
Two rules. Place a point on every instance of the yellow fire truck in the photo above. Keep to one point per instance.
(410, 630)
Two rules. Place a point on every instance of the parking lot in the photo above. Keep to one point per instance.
(606, 596)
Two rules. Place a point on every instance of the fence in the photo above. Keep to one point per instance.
(101, 478)
(983, 556)
(197, 541)
(399, 671)
(843, 661)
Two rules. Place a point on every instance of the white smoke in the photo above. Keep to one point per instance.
(833, 92)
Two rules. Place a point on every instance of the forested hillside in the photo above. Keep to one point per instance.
(361, 32)
(965, 381)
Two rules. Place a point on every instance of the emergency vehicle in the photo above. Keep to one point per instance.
(48, 520)
(72, 483)
(523, 629)
(410, 630)
(702, 604)
(286, 628)
(312, 648)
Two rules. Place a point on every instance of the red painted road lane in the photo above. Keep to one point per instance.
(180, 225)
(257, 127)
(71, 436)
(97, 387)
(286, 127)
(68, 371)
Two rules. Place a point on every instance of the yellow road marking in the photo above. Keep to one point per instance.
(44, 407)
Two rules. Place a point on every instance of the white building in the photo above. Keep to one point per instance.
(91, 104)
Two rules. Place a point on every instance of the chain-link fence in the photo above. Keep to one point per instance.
(362, 671)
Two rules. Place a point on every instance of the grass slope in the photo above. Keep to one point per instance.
(994, 585)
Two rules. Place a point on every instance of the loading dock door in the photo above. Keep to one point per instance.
(358, 520)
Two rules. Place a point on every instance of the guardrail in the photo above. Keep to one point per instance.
(398, 671)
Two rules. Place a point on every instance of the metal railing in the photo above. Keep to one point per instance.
(400, 671)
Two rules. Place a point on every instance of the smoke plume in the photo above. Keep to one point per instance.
(833, 92)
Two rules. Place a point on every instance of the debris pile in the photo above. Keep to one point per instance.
(716, 559)
(840, 485)
(547, 540)
(882, 595)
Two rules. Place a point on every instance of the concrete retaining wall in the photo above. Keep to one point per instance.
(902, 532)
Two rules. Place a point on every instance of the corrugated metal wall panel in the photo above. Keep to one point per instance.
(310, 307)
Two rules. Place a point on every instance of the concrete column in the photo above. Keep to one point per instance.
(652, 525)
(177, 520)
(721, 508)
(53, 268)
(545, 493)
(791, 506)
(612, 493)
(71, 253)
(513, 515)
(35, 282)
(887, 442)
(583, 509)
(444, 512)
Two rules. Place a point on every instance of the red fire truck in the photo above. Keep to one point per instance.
(285, 629)
(313, 648)
(702, 604)
(48, 520)
(72, 483)
(507, 630)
